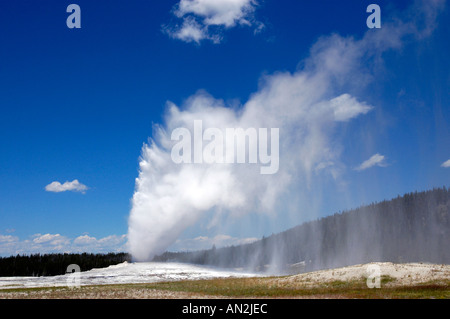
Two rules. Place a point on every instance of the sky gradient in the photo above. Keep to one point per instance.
(78, 105)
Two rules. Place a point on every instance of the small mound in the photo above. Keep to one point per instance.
(398, 274)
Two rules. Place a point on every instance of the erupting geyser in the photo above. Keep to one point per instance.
(305, 107)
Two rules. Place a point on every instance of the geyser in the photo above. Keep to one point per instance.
(171, 195)
(307, 106)
(227, 147)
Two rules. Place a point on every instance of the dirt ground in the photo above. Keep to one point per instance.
(100, 292)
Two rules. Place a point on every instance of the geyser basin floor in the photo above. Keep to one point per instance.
(126, 273)
(397, 281)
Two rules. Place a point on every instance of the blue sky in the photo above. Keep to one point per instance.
(78, 104)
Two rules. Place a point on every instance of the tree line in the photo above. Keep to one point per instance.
(410, 228)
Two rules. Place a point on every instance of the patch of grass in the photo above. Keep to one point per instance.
(251, 287)
(385, 279)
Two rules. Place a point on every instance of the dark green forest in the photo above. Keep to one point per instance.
(56, 264)
(410, 228)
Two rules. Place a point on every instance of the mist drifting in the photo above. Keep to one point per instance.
(308, 106)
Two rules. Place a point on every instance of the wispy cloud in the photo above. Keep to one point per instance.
(73, 186)
(446, 164)
(205, 19)
(8, 245)
(375, 160)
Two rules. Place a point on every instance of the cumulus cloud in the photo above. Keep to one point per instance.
(112, 243)
(192, 31)
(374, 160)
(50, 239)
(446, 164)
(74, 186)
(346, 107)
(85, 240)
(46, 243)
(205, 19)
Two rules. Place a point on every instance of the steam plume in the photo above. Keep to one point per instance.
(308, 106)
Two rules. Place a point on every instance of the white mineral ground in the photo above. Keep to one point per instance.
(401, 274)
(97, 283)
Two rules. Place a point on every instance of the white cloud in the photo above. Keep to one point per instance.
(446, 164)
(8, 245)
(46, 243)
(112, 240)
(74, 186)
(50, 239)
(85, 240)
(192, 31)
(375, 160)
(204, 19)
(217, 12)
(346, 107)
(56, 243)
(112, 243)
(6, 239)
